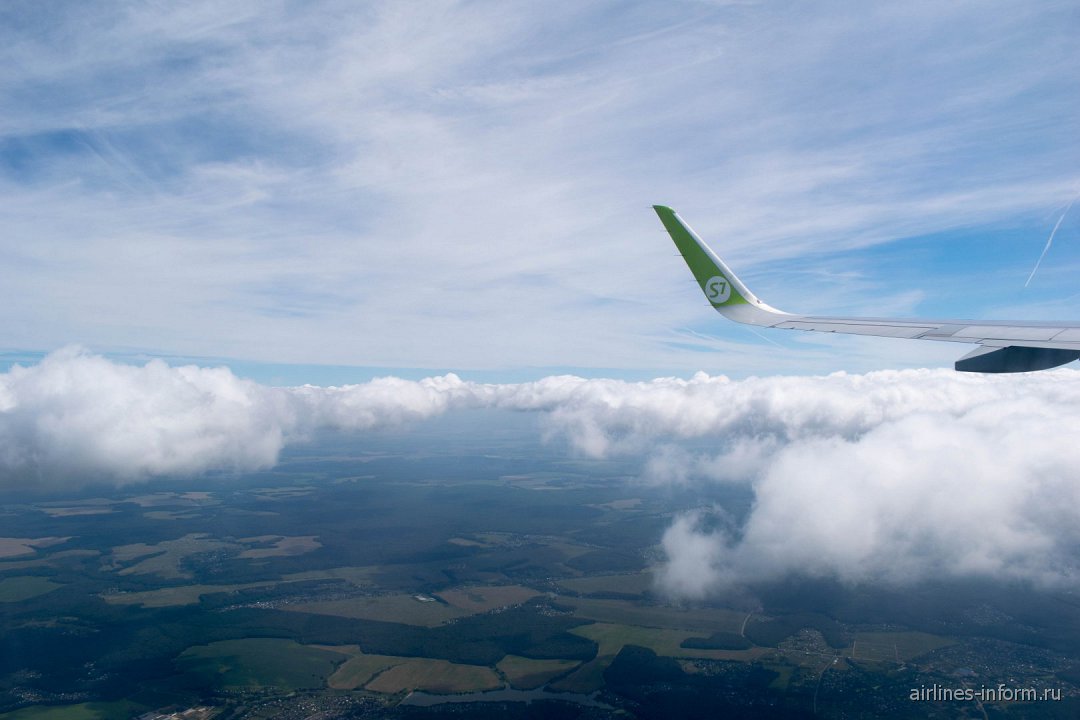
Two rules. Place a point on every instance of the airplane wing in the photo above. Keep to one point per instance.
(1003, 346)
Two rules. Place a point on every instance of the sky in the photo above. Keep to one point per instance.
(324, 192)
(227, 226)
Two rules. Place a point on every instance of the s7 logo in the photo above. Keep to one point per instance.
(717, 289)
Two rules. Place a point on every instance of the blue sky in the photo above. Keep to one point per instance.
(324, 191)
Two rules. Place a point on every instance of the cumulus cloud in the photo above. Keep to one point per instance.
(76, 416)
(82, 414)
(891, 476)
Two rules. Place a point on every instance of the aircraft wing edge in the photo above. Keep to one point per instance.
(1004, 346)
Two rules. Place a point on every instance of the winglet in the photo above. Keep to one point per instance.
(724, 291)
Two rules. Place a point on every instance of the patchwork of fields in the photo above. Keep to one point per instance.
(310, 590)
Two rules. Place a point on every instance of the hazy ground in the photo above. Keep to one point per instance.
(359, 571)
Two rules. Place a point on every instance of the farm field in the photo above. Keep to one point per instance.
(289, 594)
(396, 608)
(19, 588)
(434, 676)
(259, 663)
(706, 620)
(527, 673)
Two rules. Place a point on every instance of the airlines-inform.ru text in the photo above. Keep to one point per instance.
(998, 693)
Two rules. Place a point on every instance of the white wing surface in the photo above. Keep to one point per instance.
(1003, 346)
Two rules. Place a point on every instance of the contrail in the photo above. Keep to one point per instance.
(703, 336)
(1050, 240)
(763, 337)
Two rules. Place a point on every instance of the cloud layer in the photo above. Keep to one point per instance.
(890, 476)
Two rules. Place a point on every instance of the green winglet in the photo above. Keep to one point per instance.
(719, 284)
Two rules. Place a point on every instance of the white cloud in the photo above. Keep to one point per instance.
(693, 558)
(76, 417)
(891, 476)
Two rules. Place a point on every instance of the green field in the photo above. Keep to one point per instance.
(663, 641)
(611, 638)
(626, 583)
(279, 546)
(392, 673)
(359, 576)
(435, 676)
(587, 678)
(784, 673)
(259, 663)
(165, 559)
(174, 596)
(20, 546)
(526, 673)
(17, 589)
(894, 646)
(479, 599)
(190, 594)
(359, 669)
(399, 608)
(121, 710)
(170, 515)
(701, 620)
